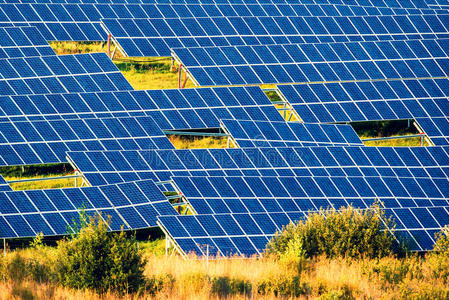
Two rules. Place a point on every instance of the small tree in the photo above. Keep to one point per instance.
(348, 232)
(99, 260)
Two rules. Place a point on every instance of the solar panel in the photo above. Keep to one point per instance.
(23, 42)
(37, 142)
(247, 234)
(158, 36)
(315, 62)
(284, 134)
(132, 205)
(60, 74)
(160, 165)
(171, 109)
(4, 186)
(425, 101)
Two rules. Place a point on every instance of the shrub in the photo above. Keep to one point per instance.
(349, 232)
(442, 242)
(99, 260)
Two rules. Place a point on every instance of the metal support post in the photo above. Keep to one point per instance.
(4, 247)
(185, 80)
(109, 45)
(179, 76)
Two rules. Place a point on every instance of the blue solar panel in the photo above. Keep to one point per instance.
(60, 74)
(23, 42)
(36, 142)
(284, 134)
(52, 212)
(4, 186)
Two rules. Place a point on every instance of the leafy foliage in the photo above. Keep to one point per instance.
(101, 261)
(349, 233)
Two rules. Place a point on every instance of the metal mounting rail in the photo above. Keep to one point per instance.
(176, 132)
(394, 137)
(44, 178)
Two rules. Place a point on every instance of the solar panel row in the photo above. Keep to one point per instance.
(424, 101)
(374, 3)
(284, 134)
(132, 205)
(171, 109)
(215, 195)
(155, 37)
(315, 63)
(77, 21)
(160, 165)
(41, 142)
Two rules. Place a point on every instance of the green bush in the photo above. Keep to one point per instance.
(99, 260)
(348, 232)
(441, 246)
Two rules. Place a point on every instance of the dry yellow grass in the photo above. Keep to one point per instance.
(171, 277)
(198, 142)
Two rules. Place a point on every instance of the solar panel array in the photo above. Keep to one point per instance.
(132, 205)
(334, 61)
(284, 134)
